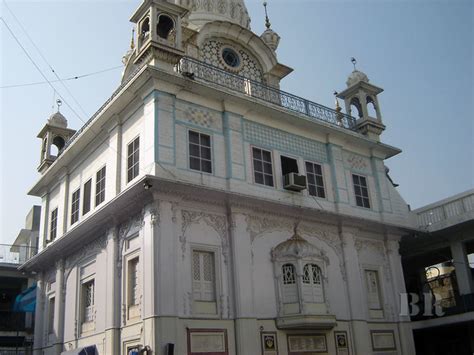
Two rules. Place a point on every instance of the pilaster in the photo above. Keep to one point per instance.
(39, 316)
(463, 271)
(113, 294)
(59, 307)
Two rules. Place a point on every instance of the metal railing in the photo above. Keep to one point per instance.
(201, 71)
(16, 254)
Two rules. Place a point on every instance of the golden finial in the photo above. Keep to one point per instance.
(132, 42)
(267, 20)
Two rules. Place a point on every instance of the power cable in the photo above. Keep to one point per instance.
(65, 79)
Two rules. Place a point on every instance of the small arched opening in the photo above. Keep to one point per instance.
(58, 144)
(371, 107)
(355, 104)
(145, 28)
(165, 26)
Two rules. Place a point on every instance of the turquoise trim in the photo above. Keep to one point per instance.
(228, 147)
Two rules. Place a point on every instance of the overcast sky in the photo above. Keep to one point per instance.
(420, 52)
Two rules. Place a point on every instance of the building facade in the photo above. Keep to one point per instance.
(438, 262)
(202, 210)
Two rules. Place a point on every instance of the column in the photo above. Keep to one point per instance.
(246, 329)
(39, 316)
(113, 294)
(356, 298)
(398, 286)
(59, 308)
(463, 272)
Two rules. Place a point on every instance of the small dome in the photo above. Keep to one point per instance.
(271, 39)
(297, 247)
(58, 120)
(355, 77)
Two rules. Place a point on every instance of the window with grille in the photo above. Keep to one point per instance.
(262, 166)
(76, 196)
(88, 301)
(314, 174)
(203, 276)
(100, 187)
(290, 291)
(133, 282)
(51, 315)
(53, 225)
(133, 159)
(312, 284)
(86, 205)
(361, 191)
(200, 152)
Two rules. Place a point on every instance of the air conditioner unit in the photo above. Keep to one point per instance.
(294, 182)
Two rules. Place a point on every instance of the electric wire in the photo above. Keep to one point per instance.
(77, 77)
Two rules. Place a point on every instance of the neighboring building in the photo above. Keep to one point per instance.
(16, 328)
(202, 210)
(440, 261)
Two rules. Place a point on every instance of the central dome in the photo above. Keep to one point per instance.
(204, 11)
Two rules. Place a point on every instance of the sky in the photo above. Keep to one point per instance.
(419, 51)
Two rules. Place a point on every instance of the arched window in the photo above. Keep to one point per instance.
(58, 144)
(290, 291)
(312, 284)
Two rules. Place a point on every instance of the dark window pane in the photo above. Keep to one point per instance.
(267, 168)
(194, 150)
(195, 163)
(206, 166)
(355, 179)
(365, 193)
(319, 181)
(257, 165)
(258, 178)
(206, 153)
(321, 192)
(268, 180)
(359, 201)
(205, 140)
(193, 137)
(86, 206)
(317, 169)
(267, 156)
(309, 168)
(311, 179)
(312, 190)
(257, 153)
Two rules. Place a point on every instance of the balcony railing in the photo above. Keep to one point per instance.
(16, 254)
(201, 71)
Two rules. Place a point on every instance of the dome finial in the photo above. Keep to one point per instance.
(267, 20)
(354, 62)
(59, 103)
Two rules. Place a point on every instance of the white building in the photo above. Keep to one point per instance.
(203, 211)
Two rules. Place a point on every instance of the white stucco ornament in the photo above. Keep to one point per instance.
(271, 38)
(355, 77)
(204, 11)
(296, 247)
(57, 119)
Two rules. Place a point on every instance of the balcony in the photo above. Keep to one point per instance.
(207, 73)
(15, 255)
(446, 213)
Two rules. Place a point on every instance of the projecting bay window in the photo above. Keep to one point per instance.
(314, 174)
(361, 191)
(204, 282)
(53, 225)
(262, 166)
(133, 159)
(200, 152)
(86, 205)
(76, 196)
(134, 290)
(100, 187)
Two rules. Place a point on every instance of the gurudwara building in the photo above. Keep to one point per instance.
(202, 210)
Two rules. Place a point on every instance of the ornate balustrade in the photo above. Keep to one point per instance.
(201, 71)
